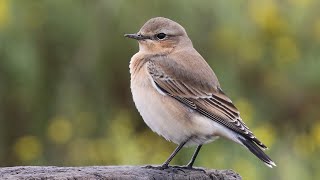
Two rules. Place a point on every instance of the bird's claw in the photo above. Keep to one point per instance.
(162, 167)
(182, 168)
(174, 168)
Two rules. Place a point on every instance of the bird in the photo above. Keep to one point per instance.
(179, 96)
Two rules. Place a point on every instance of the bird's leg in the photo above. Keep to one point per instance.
(194, 156)
(189, 166)
(165, 165)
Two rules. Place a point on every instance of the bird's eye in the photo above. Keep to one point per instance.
(161, 36)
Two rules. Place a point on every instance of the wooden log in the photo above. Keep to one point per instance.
(111, 172)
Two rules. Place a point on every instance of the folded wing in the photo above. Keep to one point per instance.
(197, 92)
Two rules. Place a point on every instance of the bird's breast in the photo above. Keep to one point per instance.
(156, 109)
(165, 115)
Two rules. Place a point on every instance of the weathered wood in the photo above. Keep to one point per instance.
(111, 172)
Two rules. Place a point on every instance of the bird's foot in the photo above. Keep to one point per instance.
(174, 168)
(182, 168)
(162, 167)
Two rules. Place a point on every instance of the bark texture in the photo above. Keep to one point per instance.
(111, 172)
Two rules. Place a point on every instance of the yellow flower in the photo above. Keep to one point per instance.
(266, 15)
(266, 134)
(28, 148)
(60, 130)
(4, 13)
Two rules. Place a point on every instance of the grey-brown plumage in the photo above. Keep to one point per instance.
(179, 96)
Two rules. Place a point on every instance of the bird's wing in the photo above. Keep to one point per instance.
(198, 90)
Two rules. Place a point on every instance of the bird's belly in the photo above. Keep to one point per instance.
(170, 118)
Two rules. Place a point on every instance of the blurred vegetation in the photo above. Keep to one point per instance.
(64, 82)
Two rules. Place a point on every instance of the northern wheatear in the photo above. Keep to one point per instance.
(179, 96)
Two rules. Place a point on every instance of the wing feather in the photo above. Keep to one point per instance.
(206, 97)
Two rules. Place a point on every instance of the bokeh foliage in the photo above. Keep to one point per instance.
(64, 82)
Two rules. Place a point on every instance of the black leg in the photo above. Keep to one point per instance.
(166, 163)
(195, 154)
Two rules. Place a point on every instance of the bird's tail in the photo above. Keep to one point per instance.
(257, 151)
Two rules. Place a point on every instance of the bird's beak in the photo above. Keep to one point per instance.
(136, 36)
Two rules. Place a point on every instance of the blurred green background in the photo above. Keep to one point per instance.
(64, 82)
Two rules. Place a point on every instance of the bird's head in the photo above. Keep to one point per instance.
(161, 36)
